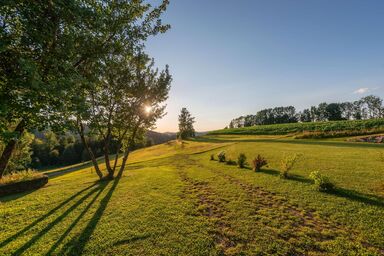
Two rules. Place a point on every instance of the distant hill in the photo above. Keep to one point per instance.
(158, 138)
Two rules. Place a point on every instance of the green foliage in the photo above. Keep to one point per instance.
(231, 162)
(242, 160)
(221, 156)
(22, 155)
(258, 162)
(322, 183)
(331, 128)
(287, 163)
(186, 122)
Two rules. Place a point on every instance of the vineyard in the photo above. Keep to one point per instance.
(317, 129)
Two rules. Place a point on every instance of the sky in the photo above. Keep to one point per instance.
(231, 58)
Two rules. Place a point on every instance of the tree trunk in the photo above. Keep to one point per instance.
(7, 153)
(116, 157)
(89, 150)
(125, 158)
(106, 157)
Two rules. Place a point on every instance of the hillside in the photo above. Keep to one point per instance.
(332, 128)
(172, 200)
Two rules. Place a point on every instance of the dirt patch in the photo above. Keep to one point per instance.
(209, 205)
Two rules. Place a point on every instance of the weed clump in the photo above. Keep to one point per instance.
(287, 164)
(321, 182)
(212, 158)
(242, 160)
(221, 157)
(258, 162)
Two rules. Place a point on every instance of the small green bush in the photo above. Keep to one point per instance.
(287, 164)
(212, 157)
(242, 160)
(258, 162)
(221, 156)
(322, 183)
(231, 162)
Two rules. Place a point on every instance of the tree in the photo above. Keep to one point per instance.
(122, 105)
(333, 112)
(186, 122)
(51, 50)
(305, 116)
(21, 155)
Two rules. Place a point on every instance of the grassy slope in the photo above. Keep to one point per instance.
(352, 126)
(173, 200)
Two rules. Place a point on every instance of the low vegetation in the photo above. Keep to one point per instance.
(258, 162)
(14, 177)
(337, 128)
(221, 156)
(322, 183)
(242, 160)
(287, 163)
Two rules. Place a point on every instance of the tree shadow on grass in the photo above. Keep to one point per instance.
(76, 245)
(75, 222)
(339, 192)
(52, 224)
(358, 197)
(12, 197)
(42, 218)
(131, 240)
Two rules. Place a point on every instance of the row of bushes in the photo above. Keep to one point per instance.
(329, 128)
(321, 182)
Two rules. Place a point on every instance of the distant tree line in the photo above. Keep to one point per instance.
(368, 107)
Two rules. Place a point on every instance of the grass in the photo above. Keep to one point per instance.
(172, 200)
(19, 176)
(311, 129)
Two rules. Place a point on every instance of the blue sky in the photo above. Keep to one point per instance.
(230, 58)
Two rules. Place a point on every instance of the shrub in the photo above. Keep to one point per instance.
(14, 177)
(287, 164)
(212, 157)
(231, 162)
(258, 162)
(242, 160)
(322, 183)
(221, 156)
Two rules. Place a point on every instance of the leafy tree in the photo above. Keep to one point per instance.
(186, 122)
(305, 116)
(333, 112)
(51, 50)
(21, 155)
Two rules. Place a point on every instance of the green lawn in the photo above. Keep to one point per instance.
(172, 200)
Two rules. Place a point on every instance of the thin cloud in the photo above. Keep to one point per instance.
(361, 90)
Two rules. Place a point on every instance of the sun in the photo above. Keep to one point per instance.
(147, 109)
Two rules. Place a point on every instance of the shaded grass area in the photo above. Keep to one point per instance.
(172, 200)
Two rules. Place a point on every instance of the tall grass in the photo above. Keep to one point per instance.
(14, 177)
